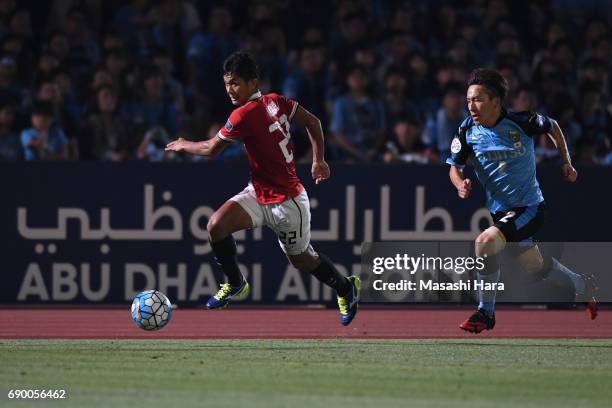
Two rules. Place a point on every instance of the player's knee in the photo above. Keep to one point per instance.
(484, 245)
(531, 262)
(216, 231)
(298, 264)
(532, 266)
(304, 262)
(489, 242)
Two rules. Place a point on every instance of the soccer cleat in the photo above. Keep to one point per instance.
(226, 293)
(348, 304)
(478, 322)
(590, 285)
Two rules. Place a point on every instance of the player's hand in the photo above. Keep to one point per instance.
(465, 188)
(177, 145)
(569, 172)
(320, 171)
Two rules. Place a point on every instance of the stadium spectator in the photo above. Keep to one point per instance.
(10, 145)
(564, 58)
(112, 41)
(350, 35)
(57, 14)
(406, 145)
(440, 130)
(595, 119)
(48, 91)
(358, 120)
(44, 140)
(206, 52)
(309, 84)
(234, 152)
(548, 81)
(84, 49)
(176, 21)
(59, 45)
(420, 84)
(602, 48)
(151, 109)
(595, 71)
(16, 48)
(68, 95)
(6, 8)
(564, 111)
(153, 143)
(9, 84)
(116, 64)
(526, 99)
(397, 105)
(106, 135)
(133, 21)
(265, 40)
(397, 48)
(48, 62)
(585, 152)
(304, 50)
(101, 76)
(20, 25)
(172, 87)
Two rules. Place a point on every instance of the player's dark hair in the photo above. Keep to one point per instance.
(241, 64)
(493, 82)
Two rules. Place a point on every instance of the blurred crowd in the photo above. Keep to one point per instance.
(116, 80)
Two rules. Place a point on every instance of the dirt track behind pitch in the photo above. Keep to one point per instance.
(298, 324)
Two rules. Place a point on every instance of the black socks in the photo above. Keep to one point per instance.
(225, 254)
(327, 273)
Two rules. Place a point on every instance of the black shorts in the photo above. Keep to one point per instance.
(520, 224)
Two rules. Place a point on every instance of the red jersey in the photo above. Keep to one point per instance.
(262, 124)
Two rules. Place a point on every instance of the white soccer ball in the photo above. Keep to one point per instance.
(151, 310)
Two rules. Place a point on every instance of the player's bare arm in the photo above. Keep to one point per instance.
(463, 185)
(209, 148)
(302, 118)
(556, 135)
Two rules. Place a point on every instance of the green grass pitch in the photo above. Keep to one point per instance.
(311, 373)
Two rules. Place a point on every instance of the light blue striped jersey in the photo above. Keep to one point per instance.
(503, 157)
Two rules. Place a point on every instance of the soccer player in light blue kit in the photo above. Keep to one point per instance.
(501, 146)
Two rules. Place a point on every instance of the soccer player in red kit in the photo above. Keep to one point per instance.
(274, 197)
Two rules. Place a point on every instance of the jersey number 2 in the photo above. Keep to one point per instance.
(278, 125)
(507, 217)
